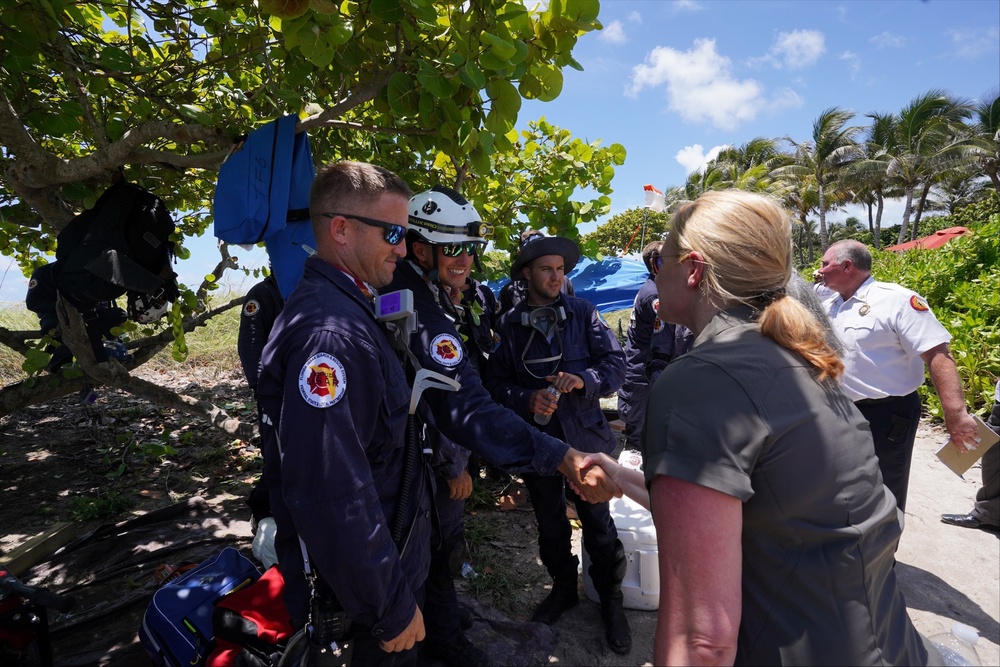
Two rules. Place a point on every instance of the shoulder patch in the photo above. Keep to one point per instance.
(446, 350)
(251, 307)
(32, 284)
(656, 305)
(322, 380)
(657, 326)
(917, 303)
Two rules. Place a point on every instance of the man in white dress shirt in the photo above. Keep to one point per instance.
(889, 335)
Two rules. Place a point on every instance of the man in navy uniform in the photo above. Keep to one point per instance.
(651, 345)
(334, 399)
(261, 306)
(556, 359)
(444, 239)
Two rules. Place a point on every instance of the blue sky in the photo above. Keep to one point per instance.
(673, 81)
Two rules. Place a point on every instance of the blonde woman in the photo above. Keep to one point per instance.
(775, 533)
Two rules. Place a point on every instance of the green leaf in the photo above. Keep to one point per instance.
(501, 49)
(472, 76)
(434, 82)
(584, 11)
(116, 60)
(403, 96)
(388, 11)
(550, 79)
(480, 161)
(196, 113)
(505, 98)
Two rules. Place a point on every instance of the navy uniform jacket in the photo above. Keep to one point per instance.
(590, 350)
(475, 322)
(261, 306)
(469, 416)
(651, 345)
(335, 392)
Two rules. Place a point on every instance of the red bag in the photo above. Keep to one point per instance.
(252, 625)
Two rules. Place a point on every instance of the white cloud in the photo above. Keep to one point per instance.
(853, 61)
(687, 6)
(613, 32)
(797, 49)
(693, 158)
(701, 87)
(971, 43)
(634, 17)
(887, 40)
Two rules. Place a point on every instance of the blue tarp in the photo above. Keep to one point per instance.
(610, 284)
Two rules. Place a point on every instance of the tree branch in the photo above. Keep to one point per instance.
(113, 373)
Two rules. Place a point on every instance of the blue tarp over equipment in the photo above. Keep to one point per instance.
(610, 284)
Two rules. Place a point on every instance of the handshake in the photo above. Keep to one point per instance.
(597, 478)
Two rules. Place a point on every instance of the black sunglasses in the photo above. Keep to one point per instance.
(393, 234)
(455, 249)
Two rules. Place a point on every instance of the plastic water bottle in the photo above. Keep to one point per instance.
(542, 420)
(958, 647)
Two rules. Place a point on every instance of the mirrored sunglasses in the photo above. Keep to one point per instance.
(455, 249)
(393, 234)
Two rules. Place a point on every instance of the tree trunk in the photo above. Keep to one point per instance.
(915, 230)
(877, 235)
(904, 227)
(823, 236)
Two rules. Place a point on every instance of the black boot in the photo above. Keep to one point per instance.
(616, 627)
(563, 597)
(607, 572)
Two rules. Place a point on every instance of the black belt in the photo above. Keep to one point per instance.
(877, 401)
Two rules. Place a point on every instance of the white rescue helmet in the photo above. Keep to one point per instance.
(441, 216)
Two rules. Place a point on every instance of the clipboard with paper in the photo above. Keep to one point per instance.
(958, 461)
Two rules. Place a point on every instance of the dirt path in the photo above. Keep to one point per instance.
(53, 456)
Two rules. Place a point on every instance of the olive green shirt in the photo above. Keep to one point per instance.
(744, 416)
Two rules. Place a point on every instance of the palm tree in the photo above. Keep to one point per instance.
(987, 130)
(802, 198)
(928, 141)
(867, 179)
(831, 148)
(751, 166)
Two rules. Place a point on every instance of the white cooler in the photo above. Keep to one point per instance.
(641, 586)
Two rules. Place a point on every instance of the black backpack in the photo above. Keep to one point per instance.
(120, 245)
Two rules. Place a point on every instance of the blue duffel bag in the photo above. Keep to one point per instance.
(177, 627)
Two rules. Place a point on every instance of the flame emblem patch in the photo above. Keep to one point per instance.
(322, 380)
(657, 326)
(251, 307)
(446, 350)
(918, 304)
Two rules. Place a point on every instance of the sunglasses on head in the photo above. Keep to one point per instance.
(455, 249)
(393, 234)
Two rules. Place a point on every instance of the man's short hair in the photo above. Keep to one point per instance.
(651, 250)
(855, 251)
(348, 187)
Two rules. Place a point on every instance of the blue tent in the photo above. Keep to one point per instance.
(610, 284)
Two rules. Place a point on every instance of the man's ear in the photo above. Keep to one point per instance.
(338, 229)
(526, 273)
(423, 252)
